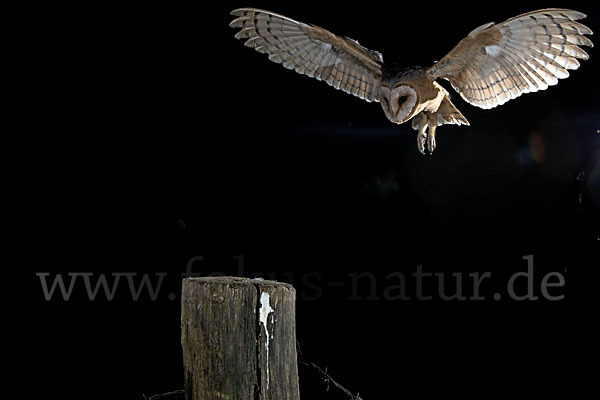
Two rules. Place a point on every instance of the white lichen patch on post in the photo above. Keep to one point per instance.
(265, 310)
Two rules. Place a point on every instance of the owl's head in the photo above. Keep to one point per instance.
(399, 102)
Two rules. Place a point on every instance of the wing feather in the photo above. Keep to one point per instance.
(527, 53)
(308, 49)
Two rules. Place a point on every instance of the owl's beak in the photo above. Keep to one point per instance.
(395, 108)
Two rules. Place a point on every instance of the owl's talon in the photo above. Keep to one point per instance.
(421, 141)
(431, 143)
(432, 122)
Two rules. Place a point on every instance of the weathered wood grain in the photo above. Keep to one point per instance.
(239, 339)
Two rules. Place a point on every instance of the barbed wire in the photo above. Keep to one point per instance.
(327, 379)
(324, 375)
(175, 395)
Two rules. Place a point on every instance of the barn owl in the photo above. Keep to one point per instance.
(493, 64)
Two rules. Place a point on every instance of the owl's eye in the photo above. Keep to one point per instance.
(402, 99)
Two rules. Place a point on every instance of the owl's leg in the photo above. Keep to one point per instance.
(420, 124)
(432, 123)
(425, 136)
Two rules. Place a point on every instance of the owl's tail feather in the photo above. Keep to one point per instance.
(447, 113)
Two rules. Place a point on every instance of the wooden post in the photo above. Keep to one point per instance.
(239, 339)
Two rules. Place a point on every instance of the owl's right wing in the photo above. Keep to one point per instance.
(311, 50)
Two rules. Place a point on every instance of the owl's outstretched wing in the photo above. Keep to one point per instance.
(527, 53)
(311, 50)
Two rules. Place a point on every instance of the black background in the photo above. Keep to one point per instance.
(152, 136)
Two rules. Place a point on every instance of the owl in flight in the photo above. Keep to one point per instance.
(493, 64)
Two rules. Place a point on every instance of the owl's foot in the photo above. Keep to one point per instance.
(432, 126)
(426, 143)
(431, 142)
(422, 140)
(426, 124)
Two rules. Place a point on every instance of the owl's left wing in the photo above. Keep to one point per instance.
(527, 53)
(311, 50)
